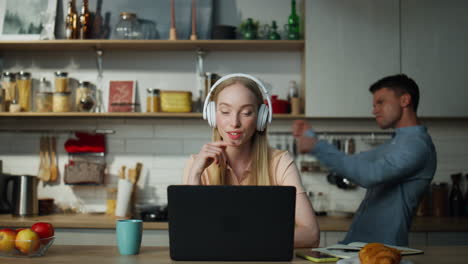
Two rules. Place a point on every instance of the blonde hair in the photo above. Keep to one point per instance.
(260, 172)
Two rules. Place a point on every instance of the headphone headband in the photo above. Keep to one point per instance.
(264, 91)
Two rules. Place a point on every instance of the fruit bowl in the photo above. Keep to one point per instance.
(25, 248)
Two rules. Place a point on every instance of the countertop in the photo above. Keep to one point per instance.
(326, 223)
(109, 254)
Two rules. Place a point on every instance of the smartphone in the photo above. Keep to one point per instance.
(315, 256)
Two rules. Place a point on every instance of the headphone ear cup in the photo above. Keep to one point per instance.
(211, 114)
(262, 117)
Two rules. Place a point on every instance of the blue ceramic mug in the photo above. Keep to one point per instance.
(129, 233)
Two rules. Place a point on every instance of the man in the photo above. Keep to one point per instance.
(395, 174)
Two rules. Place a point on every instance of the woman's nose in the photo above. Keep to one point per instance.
(235, 121)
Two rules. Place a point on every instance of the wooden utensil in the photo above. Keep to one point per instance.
(53, 159)
(138, 168)
(46, 173)
(41, 171)
(172, 30)
(122, 172)
(193, 36)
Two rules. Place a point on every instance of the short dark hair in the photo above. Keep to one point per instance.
(400, 84)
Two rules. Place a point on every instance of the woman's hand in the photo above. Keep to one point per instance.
(209, 153)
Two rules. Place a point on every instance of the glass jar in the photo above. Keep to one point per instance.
(61, 82)
(24, 90)
(84, 100)
(2, 99)
(9, 86)
(152, 100)
(43, 97)
(439, 199)
(61, 102)
(128, 27)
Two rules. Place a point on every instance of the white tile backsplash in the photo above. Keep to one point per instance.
(164, 146)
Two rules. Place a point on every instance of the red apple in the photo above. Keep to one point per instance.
(7, 239)
(27, 241)
(44, 230)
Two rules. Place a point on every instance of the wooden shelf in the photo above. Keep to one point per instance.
(161, 45)
(125, 115)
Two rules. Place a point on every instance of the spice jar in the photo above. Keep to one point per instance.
(43, 97)
(152, 100)
(84, 100)
(61, 82)
(9, 87)
(24, 90)
(61, 102)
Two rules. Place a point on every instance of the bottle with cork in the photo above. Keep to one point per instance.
(293, 98)
(85, 21)
(71, 21)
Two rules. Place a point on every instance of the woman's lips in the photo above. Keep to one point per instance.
(234, 135)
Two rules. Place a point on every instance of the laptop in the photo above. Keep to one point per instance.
(231, 223)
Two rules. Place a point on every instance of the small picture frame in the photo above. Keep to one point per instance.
(27, 20)
(122, 96)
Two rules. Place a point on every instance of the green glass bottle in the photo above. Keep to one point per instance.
(293, 23)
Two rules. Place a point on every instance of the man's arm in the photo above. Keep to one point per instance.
(397, 161)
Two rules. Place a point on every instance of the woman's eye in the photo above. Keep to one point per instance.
(249, 113)
(224, 112)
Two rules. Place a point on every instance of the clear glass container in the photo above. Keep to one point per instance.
(84, 100)
(61, 82)
(152, 100)
(61, 102)
(24, 83)
(43, 97)
(128, 27)
(9, 87)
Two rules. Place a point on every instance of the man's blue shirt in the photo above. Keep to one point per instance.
(395, 174)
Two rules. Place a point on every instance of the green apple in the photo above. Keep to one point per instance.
(27, 241)
(7, 239)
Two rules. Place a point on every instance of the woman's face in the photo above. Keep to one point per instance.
(236, 114)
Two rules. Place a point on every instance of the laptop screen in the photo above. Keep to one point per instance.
(251, 223)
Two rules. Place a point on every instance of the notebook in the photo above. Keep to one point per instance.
(352, 249)
(231, 223)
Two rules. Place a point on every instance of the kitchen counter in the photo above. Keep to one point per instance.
(326, 223)
(109, 254)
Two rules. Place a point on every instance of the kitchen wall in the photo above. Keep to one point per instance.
(163, 145)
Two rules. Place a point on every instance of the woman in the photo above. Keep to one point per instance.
(240, 154)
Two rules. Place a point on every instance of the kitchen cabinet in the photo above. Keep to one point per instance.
(349, 45)
(434, 51)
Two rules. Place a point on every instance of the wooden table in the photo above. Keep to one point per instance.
(152, 255)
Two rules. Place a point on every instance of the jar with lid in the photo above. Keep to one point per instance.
(2, 99)
(128, 27)
(9, 87)
(152, 100)
(439, 198)
(61, 82)
(61, 102)
(43, 97)
(24, 83)
(84, 100)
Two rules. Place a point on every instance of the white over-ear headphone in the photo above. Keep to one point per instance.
(264, 112)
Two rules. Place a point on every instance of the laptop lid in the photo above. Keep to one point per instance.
(231, 223)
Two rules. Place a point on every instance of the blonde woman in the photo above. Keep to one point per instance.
(239, 153)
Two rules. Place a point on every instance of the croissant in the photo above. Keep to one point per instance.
(376, 253)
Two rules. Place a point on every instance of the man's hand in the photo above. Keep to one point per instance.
(304, 143)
